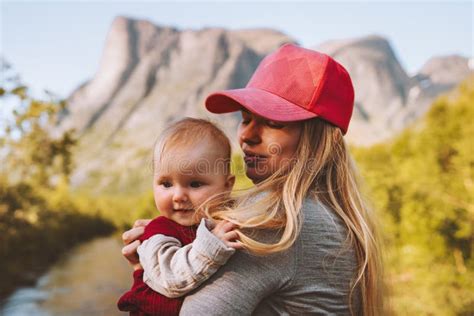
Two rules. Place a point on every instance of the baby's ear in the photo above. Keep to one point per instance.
(229, 184)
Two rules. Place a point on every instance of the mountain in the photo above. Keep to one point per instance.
(150, 75)
(387, 98)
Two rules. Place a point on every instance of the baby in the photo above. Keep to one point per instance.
(191, 164)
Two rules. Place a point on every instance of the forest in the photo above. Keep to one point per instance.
(420, 184)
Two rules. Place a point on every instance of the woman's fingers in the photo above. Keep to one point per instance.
(131, 242)
(130, 252)
(141, 222)
(137, 266)
(132, 234)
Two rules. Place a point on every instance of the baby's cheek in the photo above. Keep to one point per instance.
(202, 196)
(161, 198)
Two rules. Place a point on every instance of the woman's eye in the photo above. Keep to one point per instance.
(195, 184)
(245, 118)
(166, 184)
(274, 124)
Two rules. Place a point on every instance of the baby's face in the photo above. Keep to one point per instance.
(184, 179)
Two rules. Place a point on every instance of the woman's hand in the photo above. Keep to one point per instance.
(225, 231)
(131, 242)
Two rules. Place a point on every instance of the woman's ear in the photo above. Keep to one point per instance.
(229, 183)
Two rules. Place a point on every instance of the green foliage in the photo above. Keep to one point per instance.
(422, 185)
(124, 208)
(37, 227)
(32, 154)
(39, 219)
(120, 210)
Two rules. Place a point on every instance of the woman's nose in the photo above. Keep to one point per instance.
(250, 133)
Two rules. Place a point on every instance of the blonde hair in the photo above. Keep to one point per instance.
(323, 170)
(189, 132)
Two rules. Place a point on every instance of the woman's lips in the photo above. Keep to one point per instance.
(251, 159)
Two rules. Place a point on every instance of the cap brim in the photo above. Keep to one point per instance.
(260, 102)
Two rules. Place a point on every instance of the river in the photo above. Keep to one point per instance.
(86, 281)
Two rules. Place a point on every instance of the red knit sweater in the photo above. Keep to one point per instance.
(141, 300)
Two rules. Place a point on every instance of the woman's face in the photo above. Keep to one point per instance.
(267, 145)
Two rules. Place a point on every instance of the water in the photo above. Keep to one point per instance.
(87, 281)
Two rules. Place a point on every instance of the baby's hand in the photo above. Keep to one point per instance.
(226, 232)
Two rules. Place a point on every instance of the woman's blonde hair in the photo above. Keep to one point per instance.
(323, 170)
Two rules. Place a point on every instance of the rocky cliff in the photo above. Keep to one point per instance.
(387, 98)
(150, 75)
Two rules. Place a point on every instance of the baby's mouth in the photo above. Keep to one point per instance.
(184, 210)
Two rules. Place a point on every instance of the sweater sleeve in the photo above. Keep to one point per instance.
(238, 287)
(174, 270)
(312, 277)
(242, 283)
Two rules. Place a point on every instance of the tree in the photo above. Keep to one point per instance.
(30, 153)
(422, 183)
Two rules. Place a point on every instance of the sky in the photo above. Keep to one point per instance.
(57, 45)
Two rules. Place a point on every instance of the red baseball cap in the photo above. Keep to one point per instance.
(293, 84)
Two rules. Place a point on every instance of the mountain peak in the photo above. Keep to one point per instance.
(263, 40)
(151, 75)
(446, 70)
(373, 42)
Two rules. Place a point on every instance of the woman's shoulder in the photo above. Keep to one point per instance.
(319, 218)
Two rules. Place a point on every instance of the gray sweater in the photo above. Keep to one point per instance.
(310, 278)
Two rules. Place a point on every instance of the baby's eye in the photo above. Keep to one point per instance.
(166, 184)
(196, 184)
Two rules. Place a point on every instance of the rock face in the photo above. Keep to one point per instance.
(151, 75)
(448, 70)
(387, 99)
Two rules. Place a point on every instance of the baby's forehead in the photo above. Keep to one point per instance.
(202, 149)
(200, 158)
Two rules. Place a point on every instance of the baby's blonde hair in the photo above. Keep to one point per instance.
(189, 132)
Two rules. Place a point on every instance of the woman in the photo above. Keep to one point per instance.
(312, 247)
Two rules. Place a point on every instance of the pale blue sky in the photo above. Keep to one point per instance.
(57, 45)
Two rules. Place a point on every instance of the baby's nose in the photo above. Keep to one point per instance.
(180, 196)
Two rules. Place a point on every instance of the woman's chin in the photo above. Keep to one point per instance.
(254, 175)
